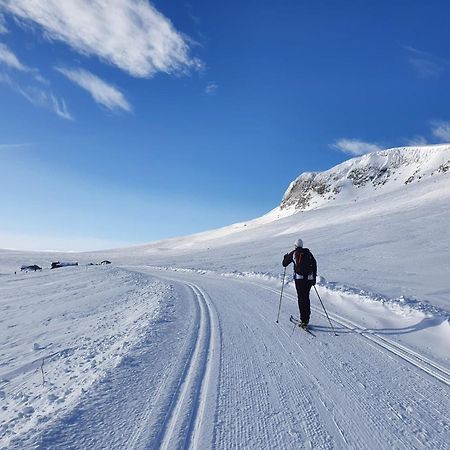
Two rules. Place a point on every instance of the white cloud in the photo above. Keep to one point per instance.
(355, 147)
(12, 146)
(35, 95)
(426, 64)
(211, 88)
(417, 141)
(102, 92)
(130, 34)
(46, 99)
(39, 97)
(441, 130)
(8, 58)
(3, 28)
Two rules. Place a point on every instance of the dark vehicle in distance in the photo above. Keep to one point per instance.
(31, 268)
(58, 264)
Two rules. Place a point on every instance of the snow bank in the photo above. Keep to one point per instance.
(60, 332)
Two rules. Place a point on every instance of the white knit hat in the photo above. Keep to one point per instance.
(298, 243)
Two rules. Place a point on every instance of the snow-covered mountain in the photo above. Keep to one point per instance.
(372, 174)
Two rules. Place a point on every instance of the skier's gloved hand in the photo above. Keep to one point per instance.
(313, 282)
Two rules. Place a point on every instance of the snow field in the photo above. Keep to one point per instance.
(160, 394)
(202, 364)
(276, 389)
(61, 331)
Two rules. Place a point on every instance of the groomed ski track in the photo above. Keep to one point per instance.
(185, 426)
(414, 358)
(216, 371)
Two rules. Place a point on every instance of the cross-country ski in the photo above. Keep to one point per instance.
(298, 323)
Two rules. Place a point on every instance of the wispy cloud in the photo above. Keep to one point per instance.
(417, 141)
(102, 92)
(130, 34)
(3, 28)
(8, 58)
(12, 146)
(38, 96)
(211, 88)
(426, 64)
(441, 130)
(46, 99)
(355, 147)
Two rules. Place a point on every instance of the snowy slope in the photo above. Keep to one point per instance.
(178, 347)
(391, 240)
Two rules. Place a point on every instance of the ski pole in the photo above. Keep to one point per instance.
(281, 296)
(325, 311)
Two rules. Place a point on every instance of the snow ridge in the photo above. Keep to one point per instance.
(357, 178)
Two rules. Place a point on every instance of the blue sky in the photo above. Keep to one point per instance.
(150, 120)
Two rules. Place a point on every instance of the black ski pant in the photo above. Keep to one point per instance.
(304, 305)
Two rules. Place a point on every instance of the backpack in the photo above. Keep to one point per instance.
(303, 262)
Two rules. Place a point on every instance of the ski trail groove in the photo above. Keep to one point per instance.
(316, 434)
(419, 361)
(135, 437)
(348, 429)
(207, 392)
(412, 357)
(185, 423)
(331, 420)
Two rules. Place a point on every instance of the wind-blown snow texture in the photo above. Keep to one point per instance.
(178, 347)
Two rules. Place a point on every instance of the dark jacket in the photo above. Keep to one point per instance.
(300, 253)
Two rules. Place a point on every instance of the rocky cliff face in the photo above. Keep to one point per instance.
(367, 175)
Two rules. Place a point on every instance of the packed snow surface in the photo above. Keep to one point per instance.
(176, 345)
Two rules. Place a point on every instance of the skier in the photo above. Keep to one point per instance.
(305, 273)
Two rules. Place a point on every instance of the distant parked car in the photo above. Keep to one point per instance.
(33, 267)
(105, 262)
(56, 265)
